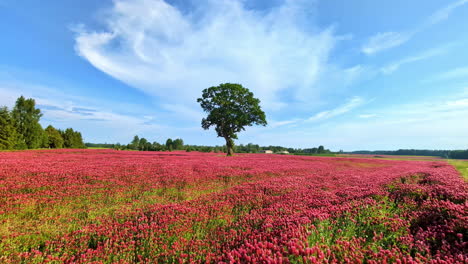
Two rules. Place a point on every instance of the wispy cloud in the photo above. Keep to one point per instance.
(96, 122)
(155, 47)
(384, 41)
(438, 123)
(350, 105)
(387, 40)
(444, 13)
(366, 116)
(275, 124)
(394, 66)
(184, 112)
(457, 73)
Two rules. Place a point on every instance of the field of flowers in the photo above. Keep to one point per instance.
(105, 206)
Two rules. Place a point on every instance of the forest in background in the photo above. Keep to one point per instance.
(446, 154)
(143, 144)
(20, 129)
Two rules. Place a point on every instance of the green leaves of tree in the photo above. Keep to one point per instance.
(230, 108)
(26, 120)
(20, 129)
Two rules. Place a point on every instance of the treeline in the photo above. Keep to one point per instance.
(20, 129)
(448, 154)
(143, 144)
(254, 148)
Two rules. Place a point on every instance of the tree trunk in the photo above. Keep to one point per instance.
(229, 146)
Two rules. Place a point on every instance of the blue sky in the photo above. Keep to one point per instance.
(349, 75)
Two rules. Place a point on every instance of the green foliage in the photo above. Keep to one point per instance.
(44, 139)
(55, 139)
(373, 227)
(135, 143)
(8, 136)
(169, 144)
(230, 109)
(143, 144)
(320, 150)
(26, 119)
(103, 146)
(178, 144)
(447, 154)
(156, 146)
(72, 139)
(20, 129)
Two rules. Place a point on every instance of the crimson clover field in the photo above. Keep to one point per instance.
(105, 206)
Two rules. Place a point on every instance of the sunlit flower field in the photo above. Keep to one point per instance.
(106, 206)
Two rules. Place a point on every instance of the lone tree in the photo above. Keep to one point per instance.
(230, 109)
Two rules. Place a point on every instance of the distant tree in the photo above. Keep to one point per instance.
(135, 143)
(54, 137)
(117, 146)
(78, 140)
(321, 150)
(67, 137)
(72, 139)
(230, 109)
(142, 144)
(178, 144)
(251, 148)
(26, 119)
(169, 144)
(9, 137)
(312, 150)
(157, 146)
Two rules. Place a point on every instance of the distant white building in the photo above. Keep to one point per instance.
(266, 151)
(283, 152)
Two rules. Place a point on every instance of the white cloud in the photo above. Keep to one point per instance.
(443, 13)
(458, 103)
(457, 73)
(438, 123)
(350, 105)
(384, 41)
(275, 124)
(8, 97)
(153, 46)
(387, 40)
(97, 122)
(365, 116)
(394, 66)
(183, 112)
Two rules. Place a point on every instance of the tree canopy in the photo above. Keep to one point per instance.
(72, 139)
(230, 107)
(20, 129)
(8, 135)
(26, 119)
(55, 139)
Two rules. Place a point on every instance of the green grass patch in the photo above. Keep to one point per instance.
(372, 228)
(461, 166)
